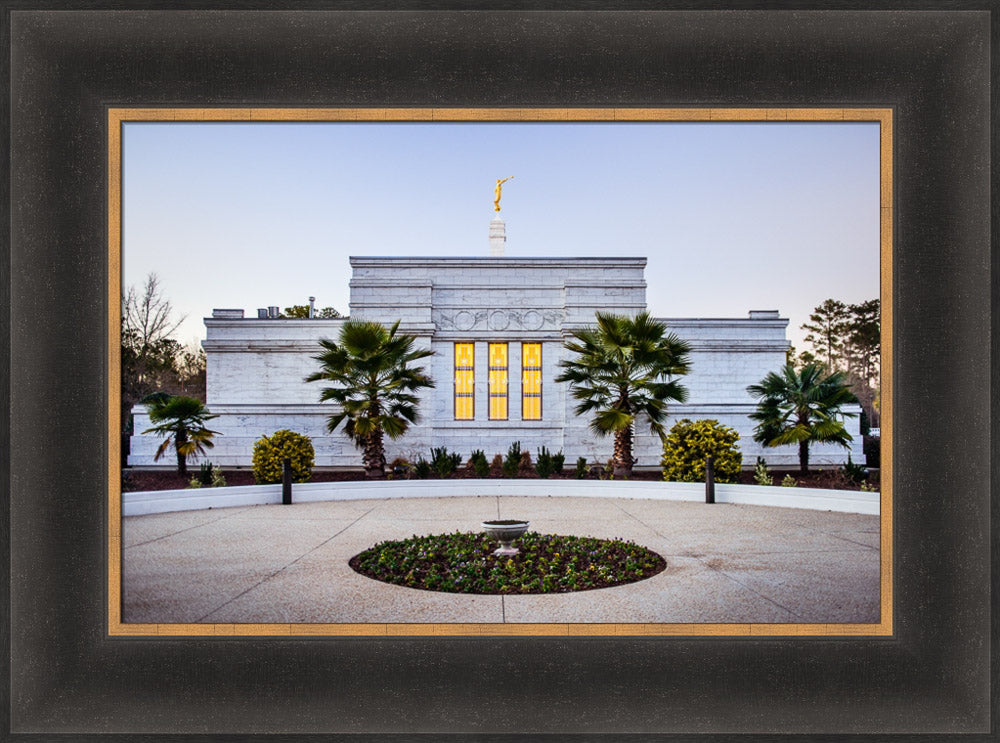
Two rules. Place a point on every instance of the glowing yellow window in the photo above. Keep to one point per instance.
(531, 381)
(464, 382)
(498, 381)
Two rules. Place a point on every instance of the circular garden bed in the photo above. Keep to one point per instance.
(546, 563)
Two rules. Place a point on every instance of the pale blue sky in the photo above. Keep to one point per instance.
(732, 216)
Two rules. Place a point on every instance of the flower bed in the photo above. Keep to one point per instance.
(546, 563)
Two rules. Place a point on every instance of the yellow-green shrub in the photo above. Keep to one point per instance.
(689, 442)
(270, 450)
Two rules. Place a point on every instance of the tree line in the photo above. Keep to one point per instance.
(847, 338)
(153, 361)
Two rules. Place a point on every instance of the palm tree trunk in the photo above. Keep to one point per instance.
(374, 456)
(181, 458)
(623, 453)
(804, 457)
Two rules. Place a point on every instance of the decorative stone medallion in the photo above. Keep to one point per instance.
(464, 320)
(532, 320)
(499, 320)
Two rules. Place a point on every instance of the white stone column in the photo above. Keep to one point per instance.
(481, 363)
(514, 380)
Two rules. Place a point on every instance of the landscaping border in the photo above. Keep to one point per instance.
(191, 499)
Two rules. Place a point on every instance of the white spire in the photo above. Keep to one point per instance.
(498, 237)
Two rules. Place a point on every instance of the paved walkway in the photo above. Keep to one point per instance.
(725, 563)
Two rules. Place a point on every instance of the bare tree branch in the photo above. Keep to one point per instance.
(147, 318)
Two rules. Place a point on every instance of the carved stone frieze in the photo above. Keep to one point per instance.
(499, 320)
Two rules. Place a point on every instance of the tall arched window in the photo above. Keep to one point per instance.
(531, 381)
(465, 382)
(498, 381)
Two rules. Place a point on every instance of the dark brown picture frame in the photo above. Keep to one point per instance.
(68, 675)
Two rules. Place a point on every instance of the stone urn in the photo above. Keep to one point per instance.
(506, 531)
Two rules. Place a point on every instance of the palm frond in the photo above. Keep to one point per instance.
(801, 406)
(372, 378)
(624, 366)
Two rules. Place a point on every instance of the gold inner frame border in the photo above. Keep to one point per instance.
(118, 116)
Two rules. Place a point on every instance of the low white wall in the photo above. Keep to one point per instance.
(163, 501)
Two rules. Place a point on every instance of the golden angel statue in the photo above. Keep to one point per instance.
(496, 194)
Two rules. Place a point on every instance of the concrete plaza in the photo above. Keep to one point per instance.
(726, 563)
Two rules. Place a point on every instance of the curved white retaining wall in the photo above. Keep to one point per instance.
(163, 501)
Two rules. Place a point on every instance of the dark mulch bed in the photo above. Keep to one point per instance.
(170, 480)
(546, 563)
(830, 478)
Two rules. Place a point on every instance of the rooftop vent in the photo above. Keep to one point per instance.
(272, 312)
(227, 314)
(763, 314)
(262, 313)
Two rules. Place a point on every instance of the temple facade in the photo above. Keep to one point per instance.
(497, 326)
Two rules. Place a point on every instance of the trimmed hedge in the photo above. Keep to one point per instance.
(689, 442)
(269, 451)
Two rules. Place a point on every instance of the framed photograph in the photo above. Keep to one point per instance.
(184, 566)
(84, 82)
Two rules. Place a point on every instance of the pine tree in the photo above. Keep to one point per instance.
(828, 328)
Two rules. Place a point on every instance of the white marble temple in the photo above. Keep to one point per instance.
(257, 367)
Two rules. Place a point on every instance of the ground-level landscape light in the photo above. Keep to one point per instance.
(286, 481)
(709, 480)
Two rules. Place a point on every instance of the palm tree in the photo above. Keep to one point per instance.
(800, 407)
(375, 385)
(182, 421)
(625, 367)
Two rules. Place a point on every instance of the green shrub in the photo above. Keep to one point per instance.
(270, 450)
(444, 463)
(217, 480)
(856, 473)
(689, 442)
(558, 462)
(788, 482)
(422, 468)
(205, 475)
(480, 465)
(512, 462)
(760, 474)
(543, 465)
(873, 451)
(581, 468)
